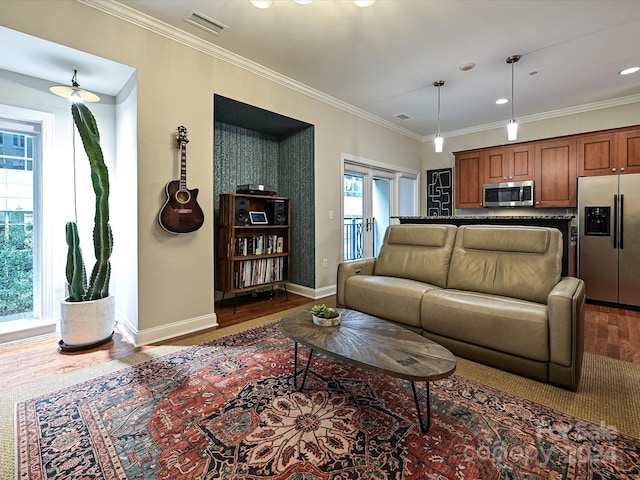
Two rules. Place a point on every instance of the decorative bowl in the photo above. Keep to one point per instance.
(327, 322)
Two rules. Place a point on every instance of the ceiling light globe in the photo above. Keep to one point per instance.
(438, 142)
(512, 130)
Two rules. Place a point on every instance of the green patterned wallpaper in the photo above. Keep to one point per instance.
(243, 156)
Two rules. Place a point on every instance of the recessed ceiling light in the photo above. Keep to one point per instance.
(262, 3)
(467, 66)
(364, 3)
(628, 71)
(502, 101)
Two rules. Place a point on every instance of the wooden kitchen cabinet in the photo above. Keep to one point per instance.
(612, 153)
(629, 151)
(598, 155)
(469, 173)
(555, 174)
(509, 164)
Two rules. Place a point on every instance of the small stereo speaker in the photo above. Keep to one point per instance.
(242, 211)
(276, 212)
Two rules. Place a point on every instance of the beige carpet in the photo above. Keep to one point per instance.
(608, 393)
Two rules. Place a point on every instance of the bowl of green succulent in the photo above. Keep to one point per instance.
(325, 316)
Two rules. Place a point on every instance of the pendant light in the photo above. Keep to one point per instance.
(438, 141)
(512, 126)
(74, 92)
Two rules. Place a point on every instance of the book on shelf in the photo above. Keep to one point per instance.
(259, 245)
(249, 273)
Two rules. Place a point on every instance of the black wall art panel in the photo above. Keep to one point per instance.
(440, 192)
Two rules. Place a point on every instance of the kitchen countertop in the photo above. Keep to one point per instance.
(488, 217)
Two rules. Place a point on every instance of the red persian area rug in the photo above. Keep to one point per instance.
(227, 409)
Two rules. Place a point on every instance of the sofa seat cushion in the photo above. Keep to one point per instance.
(504, 324)
(396, 299)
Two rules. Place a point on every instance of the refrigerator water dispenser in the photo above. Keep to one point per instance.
(597, 221)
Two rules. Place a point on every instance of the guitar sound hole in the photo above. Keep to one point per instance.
(183, 196)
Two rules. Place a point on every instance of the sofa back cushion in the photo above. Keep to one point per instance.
(518, 262)
(417, 252)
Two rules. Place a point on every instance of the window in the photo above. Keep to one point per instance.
(17, 292)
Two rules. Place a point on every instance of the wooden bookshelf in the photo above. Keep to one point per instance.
(253, 255)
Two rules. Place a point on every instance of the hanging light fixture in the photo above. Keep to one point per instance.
(512, 126)
(74, 92)
(438, 141)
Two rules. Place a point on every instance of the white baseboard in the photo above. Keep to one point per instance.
(193, 325)
(312, 293)
(172, 330)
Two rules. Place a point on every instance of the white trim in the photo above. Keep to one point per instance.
(313, 293)
(21, 329)
(168, 31)
(614, 102)
(365, 162)
(165, 332)
(130, 15)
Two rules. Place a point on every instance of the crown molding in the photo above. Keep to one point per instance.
(118, 10)
(563, 112)
(151, 24)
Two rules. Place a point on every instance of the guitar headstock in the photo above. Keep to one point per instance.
(182, 135)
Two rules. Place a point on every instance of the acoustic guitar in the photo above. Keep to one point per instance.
(181, 212)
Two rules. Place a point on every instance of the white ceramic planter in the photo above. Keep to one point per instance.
(83, 324)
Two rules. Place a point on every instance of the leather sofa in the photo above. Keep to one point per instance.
(492, 294)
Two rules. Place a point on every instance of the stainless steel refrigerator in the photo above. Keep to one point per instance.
(609, 238)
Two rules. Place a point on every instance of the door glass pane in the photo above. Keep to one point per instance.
(16, 226)
(353, 216)
(408, 195)
(381, 211)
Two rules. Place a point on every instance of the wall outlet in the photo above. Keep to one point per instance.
(324, 263)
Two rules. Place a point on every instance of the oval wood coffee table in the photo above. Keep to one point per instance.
(375, 344)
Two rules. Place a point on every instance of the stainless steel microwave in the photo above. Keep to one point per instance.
(510, 194)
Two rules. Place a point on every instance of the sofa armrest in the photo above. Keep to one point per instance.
(566, 325)
(364, 266)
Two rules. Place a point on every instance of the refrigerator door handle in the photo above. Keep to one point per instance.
(621, 241)
(615, 221)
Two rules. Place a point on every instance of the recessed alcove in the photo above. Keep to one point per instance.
(256, 146)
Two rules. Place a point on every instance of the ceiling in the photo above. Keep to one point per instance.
(383, 59)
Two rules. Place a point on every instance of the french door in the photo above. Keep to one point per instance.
(367, 206)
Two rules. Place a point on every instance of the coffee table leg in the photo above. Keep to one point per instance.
(295, 368)
(423, 427)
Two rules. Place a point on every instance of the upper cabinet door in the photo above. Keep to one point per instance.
(520, 160)
(468, 175)
(629, 148)
(509, 164)
(598, 155)
(496, 167)
(555, 174)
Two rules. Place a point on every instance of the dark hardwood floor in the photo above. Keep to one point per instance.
(613, 332)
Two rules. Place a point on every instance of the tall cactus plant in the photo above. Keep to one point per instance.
(98, 285)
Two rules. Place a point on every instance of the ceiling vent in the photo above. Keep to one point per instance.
(206, 23)
(402, 116)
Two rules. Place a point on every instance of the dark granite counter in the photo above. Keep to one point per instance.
(561, 222)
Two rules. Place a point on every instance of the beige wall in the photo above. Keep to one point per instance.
(175, 86)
